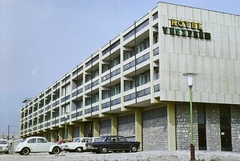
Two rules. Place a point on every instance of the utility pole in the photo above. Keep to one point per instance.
(8, 131)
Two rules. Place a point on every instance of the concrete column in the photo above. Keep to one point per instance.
(81, 129)
(60, 134)
(70, 132)
(114, 125)
(171, 126)
(138, 127)
(96, 128)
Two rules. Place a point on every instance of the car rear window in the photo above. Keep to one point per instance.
(3, 142)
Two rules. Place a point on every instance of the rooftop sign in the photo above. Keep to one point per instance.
(186, 29)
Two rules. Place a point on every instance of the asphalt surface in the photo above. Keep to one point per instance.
(138, 156)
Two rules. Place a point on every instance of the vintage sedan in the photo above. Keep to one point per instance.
(113, 144)
(78, 145)
(34, 144)
(4, 146)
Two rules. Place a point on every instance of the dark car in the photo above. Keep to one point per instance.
(114, 144)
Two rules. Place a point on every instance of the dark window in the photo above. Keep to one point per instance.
(155, 113)
(126, 119)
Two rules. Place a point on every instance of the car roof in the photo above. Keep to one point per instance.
(31, 137)
(4, 139)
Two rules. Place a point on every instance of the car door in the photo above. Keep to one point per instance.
(42, 145)
(32, 143)
(123, 143)
(113, 143)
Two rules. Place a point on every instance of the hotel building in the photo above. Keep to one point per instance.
(134, 85)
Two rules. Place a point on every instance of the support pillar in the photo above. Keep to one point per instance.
(81, 129)
(114, 125)
(138, 128)
(171, 126)
(95, 128)
(60, 134)
(70, 132)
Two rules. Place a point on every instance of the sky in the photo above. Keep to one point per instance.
(42, 40)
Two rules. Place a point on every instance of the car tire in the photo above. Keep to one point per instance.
(133, 149)
(7, 152)
(25, 151)
(56, 150)
(79, 149)
(104, 150)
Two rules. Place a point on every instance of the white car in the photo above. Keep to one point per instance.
(78, 145)
(35, 144)
(4, 146)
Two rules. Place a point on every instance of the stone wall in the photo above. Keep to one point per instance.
(235, 125)
(126, 125)
(213, 127)
(183, 135)
(155, 134)
(105, 127)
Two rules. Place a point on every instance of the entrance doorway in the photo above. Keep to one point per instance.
(225, 124)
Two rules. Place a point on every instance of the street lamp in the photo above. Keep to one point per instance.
(190, 84)
(65, 116)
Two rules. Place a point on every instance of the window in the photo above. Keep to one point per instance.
(88, 101)
(88, 78)
(115, 90)
(155, 38)
(127, 54)
(142, 46)
(121, 139)
(105, 94)
(156, 74)
(143, 78)
(95, 98)
(128, 85)
(115, 61)
(105, 67)
(95, 73)
(39, 140)
(32, 141)
(65, 108)
(66, 90)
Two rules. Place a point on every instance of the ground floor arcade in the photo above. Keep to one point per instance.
(216, 127)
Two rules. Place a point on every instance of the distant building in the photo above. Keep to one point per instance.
(134, 85)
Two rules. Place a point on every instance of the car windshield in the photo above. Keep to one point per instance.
(3, 142)
(23, 140)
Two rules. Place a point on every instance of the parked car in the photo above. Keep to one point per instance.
(92, 139)
(78, 145)
(113, 143)
(4, 146)
(34, 144)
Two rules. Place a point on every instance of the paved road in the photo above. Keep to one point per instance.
(138, 156)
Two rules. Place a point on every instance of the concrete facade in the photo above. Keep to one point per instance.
(134, 85)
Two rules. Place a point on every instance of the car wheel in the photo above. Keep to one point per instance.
(133, 149)
(6, 152)
(25, 151)
(56, 150)
(79, 149)
(104, 150)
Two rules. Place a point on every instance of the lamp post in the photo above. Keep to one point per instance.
(65, 116)
(190, 84)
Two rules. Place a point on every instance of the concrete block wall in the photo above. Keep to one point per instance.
(183, 135)
(155, 134)
(213, 130)
(235, 125)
